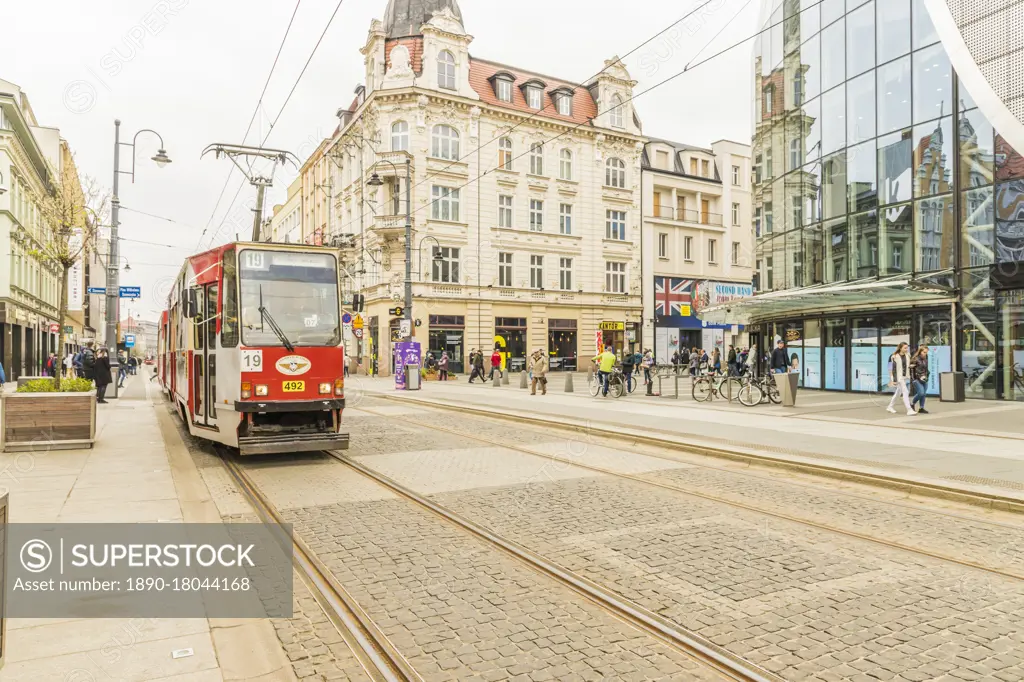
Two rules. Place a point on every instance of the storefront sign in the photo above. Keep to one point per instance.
(715, 293)
(76, 275)
(54, 328)
(613, 326)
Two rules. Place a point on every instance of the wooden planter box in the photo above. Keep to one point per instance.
(55, 421)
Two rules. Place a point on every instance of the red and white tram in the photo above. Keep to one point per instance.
(250, 348)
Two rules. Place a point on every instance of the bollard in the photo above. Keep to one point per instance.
(497, 382)
(568, 382)
(522, 380)
(650, 387)
(590, 374)
(504, 378)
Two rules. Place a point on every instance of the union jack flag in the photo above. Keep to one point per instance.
(670, 295)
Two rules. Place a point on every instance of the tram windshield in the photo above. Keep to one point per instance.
(296, 292)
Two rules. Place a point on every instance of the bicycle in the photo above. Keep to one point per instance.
(757, 390)
(616, 384)
(706, 389)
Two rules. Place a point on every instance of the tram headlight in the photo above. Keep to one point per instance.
(246, 390)
(325, 388)
(261, 390)
(339, 387)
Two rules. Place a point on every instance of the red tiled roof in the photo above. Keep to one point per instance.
(584, 107)
(415, 47)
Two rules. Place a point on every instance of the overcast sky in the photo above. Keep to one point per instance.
(193, 71)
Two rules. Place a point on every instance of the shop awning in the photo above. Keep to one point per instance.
(867, 293)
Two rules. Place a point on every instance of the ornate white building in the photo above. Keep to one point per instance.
(525, 197)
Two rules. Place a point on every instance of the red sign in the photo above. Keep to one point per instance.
(54, 328)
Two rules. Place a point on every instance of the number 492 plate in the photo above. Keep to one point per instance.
(294, 386)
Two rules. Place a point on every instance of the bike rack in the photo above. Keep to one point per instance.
(667, 372)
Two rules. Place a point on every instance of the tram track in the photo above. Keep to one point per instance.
(380, 659)
(687, 641)
(820, 526)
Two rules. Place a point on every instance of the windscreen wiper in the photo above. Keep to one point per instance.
(265, 315)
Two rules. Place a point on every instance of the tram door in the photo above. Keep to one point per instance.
(204, 360)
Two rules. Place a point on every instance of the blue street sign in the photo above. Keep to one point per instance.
(129, 340)
(131, 292)
(346, 318)
(97, 290)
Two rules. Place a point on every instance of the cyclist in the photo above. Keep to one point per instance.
(606, 363)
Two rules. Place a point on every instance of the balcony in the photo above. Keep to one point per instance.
(687, 216)
(389, 227)
(383, 167)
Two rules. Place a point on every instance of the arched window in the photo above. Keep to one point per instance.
(505, 153)
(446, 70)
(616, 112)
(565, 164)
(537, 159)
(445, 143)
(400, 136)
(615, 173)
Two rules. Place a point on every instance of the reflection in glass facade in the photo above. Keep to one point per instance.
(871, 160)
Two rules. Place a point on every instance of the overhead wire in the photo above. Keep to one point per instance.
(689, 67)
(255, 112)
(280, 111)
(575, 87)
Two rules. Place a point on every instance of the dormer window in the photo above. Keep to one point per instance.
(533, 91)
(534, 96)
(563, 101)
(504, 90)
(617, 117)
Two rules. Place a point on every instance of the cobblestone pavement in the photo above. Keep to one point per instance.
(805, 603)
(460, 610)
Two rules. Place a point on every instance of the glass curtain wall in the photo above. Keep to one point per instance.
(873, 160)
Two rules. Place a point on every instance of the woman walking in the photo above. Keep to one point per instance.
(900, 378)
(101, 371)
(647, 362)
(919, 376)
(716, 361)
(442, 367)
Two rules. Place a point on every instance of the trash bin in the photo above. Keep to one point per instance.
(951, 387)
(787, 384)
(412, 377)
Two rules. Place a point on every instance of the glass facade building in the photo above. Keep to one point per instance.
(887, 207)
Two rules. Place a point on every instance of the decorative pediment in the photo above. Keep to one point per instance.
(401, 63)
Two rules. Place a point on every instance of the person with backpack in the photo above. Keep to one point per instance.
(899, 377)
(89, 362)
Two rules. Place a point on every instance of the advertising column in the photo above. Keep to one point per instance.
(406, 353)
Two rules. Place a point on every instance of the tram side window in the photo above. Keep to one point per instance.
(229, 320)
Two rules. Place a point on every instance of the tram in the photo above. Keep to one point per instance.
(250, 348)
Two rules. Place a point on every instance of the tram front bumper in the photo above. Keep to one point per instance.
(291, 442)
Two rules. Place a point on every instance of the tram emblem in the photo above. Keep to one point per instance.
(293, 365)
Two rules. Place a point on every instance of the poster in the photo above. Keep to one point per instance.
(835, 369)
(796, 363)
(864, 368)
(406, 353)
(812, 367)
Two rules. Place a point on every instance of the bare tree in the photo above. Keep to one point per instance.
(72, 213)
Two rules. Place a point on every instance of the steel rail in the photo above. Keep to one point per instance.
(713, 498)
(692, 644)
(378, 656)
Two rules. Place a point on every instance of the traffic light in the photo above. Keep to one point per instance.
(358, 301)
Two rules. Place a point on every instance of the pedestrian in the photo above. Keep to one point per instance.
(694, 360)
(88, 361)
(52, 366)
(627, 370)
(716, 361)
(69, 366)
(899, 377)
(730, 360)
(647, 362)
(122, 371)
(605, 364)
(133, 364)
(539, 372)
(751, 360)
(476, 359)
(101, 375)
(676, 358)
(779, 363)
(442, 367)
(496, 364)
(919, 376)
(3, 377)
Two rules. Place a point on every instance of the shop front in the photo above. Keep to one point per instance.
(613, 335)
(510, 341)
(678, 325)
(448, 333)
(562, 346)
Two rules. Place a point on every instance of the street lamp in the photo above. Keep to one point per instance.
(113, 273)
(375, 181)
